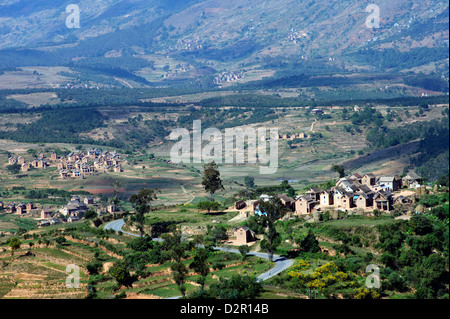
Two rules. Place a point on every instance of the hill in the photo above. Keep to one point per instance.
(170, 42)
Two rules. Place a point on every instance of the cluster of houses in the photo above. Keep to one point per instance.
(40, 162)
(354, 192)
(288, 136)
(189, 44)
(19, 208)
(73, 211)
(76, 164)
(227, 77)
(297, 35)
(80, 164)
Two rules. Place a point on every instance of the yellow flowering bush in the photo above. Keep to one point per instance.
(364, 293)
(316, 284)
(322, 277)
(301, 265)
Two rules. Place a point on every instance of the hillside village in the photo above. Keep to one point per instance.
(356, 194)
(77, 164)
(73, 211)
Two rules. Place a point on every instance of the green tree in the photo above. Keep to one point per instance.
(60, 240)
(218, 233)
(141, 203)
(90, 214)
(14, 168)
(211, 179)
(14, 244)
(121, 274)
(310, 243)
(339, 169)
(208, 205)
(249, 182)
(237, 287)
(200, 265)
(244, 249)
(272, 210)
(177, 249)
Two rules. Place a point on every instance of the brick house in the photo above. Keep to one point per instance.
(111, 208)
(343, 199)
(20, 160)
(326, 198)
(287, 201)
(72, 219)
(89, 200)
(314, 193)
(30, 206)
(12, 207)
(411, 180)
(305, 205)
(21, 209)
(368, 179)
(244, 235)
(25, 167)
(382, 200)
(46, 213)
(363, 200)
(356, 177)
(240, 204)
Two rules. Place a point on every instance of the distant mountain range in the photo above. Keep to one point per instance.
(202, 38)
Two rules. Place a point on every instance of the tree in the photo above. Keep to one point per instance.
(141, 203)
(218, 233)
(121, 275)
(14, 168)
(339, 169)
(244, 249)
(14, 243)
(200, 265)
(249, 182)
(60, 240)
(288, 188)
(115, 200)
(310, 243)
(237, 287)
(421, 225)
(176, 249)
(90, 214)
(211, 179)
(272, 210)
(141, 244)
(208, 205)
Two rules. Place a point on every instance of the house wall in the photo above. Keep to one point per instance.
(326, 200)
(301, 208)
(367, 180)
